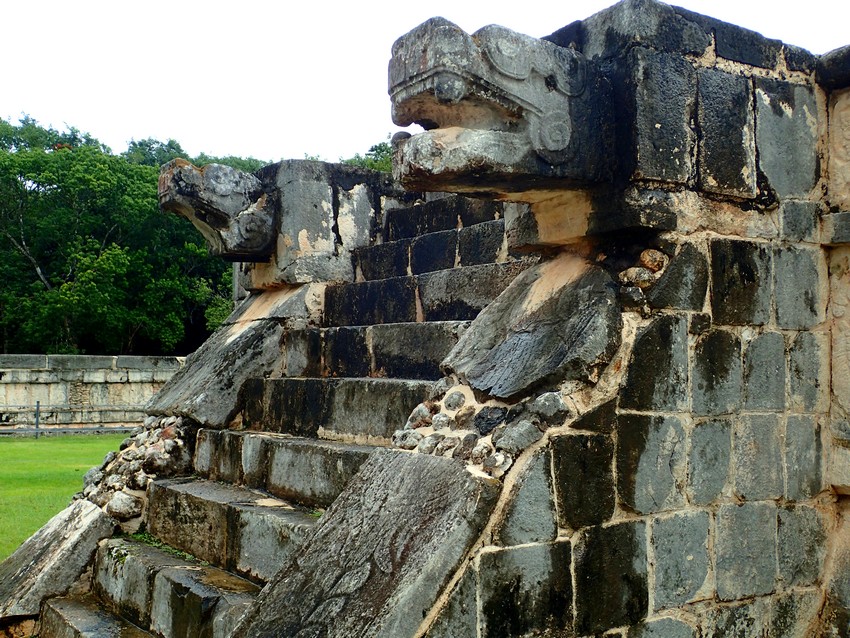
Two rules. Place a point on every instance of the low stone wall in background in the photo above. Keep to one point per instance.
(74, 391)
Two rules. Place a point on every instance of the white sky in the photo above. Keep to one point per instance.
(270, 79)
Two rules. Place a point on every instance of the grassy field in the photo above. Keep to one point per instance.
(39, 477)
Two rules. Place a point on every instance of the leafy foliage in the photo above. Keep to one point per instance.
(379, 157)
(89, 263)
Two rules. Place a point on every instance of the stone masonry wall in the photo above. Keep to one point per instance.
(77, 391)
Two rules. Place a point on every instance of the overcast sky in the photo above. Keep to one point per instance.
(274, 80)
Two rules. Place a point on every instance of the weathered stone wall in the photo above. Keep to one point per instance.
(78, 391)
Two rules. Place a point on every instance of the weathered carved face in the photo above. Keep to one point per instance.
(501, 111)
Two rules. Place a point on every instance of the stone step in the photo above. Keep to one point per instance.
(365, 411)
(170, 595)
(455, 294)
(479, 244)
(308, 471)
(245, 531)
(84, 618)
(399, 350)
(444, 213)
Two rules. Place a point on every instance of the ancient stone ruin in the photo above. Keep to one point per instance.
(602, 390)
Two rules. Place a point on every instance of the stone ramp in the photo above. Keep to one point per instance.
(381, 554)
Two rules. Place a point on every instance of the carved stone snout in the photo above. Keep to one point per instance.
(497, 104)
(229, 208)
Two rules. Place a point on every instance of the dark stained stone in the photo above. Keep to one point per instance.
(716, 382)
(800, 220)
(460, 616)
(610, 577)
(808, 381)
(682, 558)
(663, 628)
(650, 461)
(488, 418)
(802, 535)
(439, 214)
(345, 352)
(369, 302)
(745, 546)
(683, 284)
(524, 590)
(481, 243)
(799, 304)
(727, 151)
(381, 554)
(740, 282)
(757, 457)
(708, 463)
(803, 472)
(583, 470)
(764, 372)
(383, 261)
(530, 517)
(794, 613)
(521, 342)
(413, 350)
(599, 419)
(435, 251)
(657, 376)
(742, 620)
(833, 69)
(737, 43)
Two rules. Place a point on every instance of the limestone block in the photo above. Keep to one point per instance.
(584, 479)
(716, 375)
(764, 372)
(751, 618)
(600, 419)
(757, 457)
(839, 305)
(26, 361)
(481, 243)
(727, 150)
(663, 628)
(80, 362)
(526, 589)
(684, 282)
(665, 88)
(74, 617)
(794, 613)
(801, 221)
(801, 287)
(680, 545)
(381, 261)
(530, 517)
(836, 228)
(740, 282)
(413, 351)
(611, 587)
(745, 547)
(434, 251)
(380, 554)
(801, 545)
(345, 352)
(709, 460)
(460, 615)
(786, 136)
(370, 302)
(218, 455)
(50, 561)
(803, 453)
(657, 374)
(839, 149)
(651, 459)
(808, 372)
(556, 321)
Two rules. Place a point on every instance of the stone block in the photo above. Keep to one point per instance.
(801, 545)
(25, 361)
(50, 561)
(680, 545)
(727, 150)
(435, 251)
(345, 352)
(439, 214)
(657, 374)
(525, 590)
(600, 419)
(369, 302)
(312, 472)
(197, 601)
(651, 458)
(743, 620)
(611, 587)
(709, 460)
(808, 372)
(757, 457)
(737, 43)
(218, 455)
(745, 547)
(381, 554)
(684, 282)
(264, 538)
(255, 459)
(583, 471)
(740, 282)
(839, 149)
(481, 243)
(800, 220)
(460, 615)
(80, 618)
(80, 362)
(836, 228)
(801, 289)
(803, 454)
(383, 261)
(794, 613)
(716, 373)
(663, 628)
(302, 352)
(786, 136)
(531, 517)
(764, 372)
(413, 350)
(461, 293)
(665, 88)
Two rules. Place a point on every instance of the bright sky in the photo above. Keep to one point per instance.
(274, 80)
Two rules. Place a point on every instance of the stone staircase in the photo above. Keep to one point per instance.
(216, 538)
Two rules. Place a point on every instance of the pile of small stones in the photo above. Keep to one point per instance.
(637, 279)
(157, 449)
(487, 435)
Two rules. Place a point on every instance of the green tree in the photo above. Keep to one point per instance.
(379, 157)
(152, 152)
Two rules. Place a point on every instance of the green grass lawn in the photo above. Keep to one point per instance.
(39, 477)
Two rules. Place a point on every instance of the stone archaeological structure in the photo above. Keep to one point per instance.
(600, 390)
